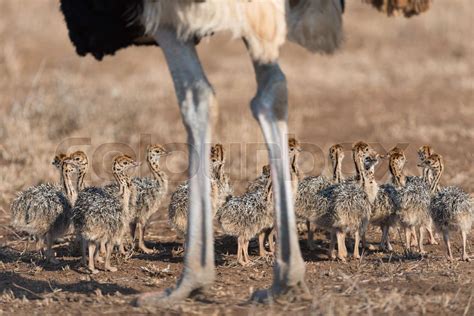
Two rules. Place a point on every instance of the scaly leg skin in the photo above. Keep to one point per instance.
(240, 251)
(332, 245)
(448, 244)
(49, 251)
(245, 248)
(102, 251)
(341, 246)
(109, 246)
(270, 108)
(433, 240)
(98, 257)
(92, 248)
(310, 240)
(465, 256)
(197, 101)
(356, 254)
(344, 247)
(103, 248)
(420, 241)
(261, 244)
(141, 239)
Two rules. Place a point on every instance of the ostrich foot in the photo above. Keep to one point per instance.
(170, 297)
(386, 246)
(243, 262)
(146, 250)
(433, 242)
(93, 271)
(283, 294)
(370, 247)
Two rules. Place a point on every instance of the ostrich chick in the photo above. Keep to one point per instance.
(246, 216)
(103, 216)
(150, 194)
(414, 195)
(252, 213)
(345, 208)
(44, 210)
(386, 207)
(450, 208)
(309, 186)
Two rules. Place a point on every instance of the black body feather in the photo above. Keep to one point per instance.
(102, 27)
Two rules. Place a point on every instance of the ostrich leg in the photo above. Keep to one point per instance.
(196, 99)
(465, 256)
(270, 108)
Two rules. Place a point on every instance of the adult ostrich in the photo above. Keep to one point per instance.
(101, 27)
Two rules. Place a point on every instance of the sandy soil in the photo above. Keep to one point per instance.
(395, 81)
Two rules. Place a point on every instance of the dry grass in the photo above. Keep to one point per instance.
(395, 81)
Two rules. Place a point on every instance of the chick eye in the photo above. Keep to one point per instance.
(125, 163)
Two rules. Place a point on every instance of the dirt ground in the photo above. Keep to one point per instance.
(395, 81)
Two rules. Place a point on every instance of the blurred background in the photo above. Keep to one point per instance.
(395, 81)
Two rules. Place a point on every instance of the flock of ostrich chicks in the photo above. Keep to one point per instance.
(103, 217)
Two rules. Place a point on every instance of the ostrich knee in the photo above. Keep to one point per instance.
(271, 100)
(197, 103)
